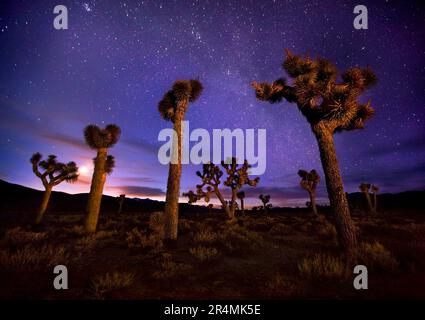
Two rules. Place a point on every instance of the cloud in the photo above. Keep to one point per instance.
(141, 144)
(139, 191)
(65, 139)
(136, 180)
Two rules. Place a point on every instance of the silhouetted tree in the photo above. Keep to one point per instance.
(237, 177)
(121, 200)
(309, 182)
(265, 199)
(375, 189)
(241, 197)
(365, 188)
(100, 140)
(53, 174)
(329, 106)
(173, 107)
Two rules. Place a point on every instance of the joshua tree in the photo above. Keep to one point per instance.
(375, 190)
(309, 182)
(100, 140)
(365, 188)
(210, 206)
(173, 107)
(120, 199)
(211, 175)
(53, 174)
(265, 199)
(329, 106)
(241, 197)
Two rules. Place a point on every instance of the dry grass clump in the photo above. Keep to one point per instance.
(321, 266)
(327, 230)
(204, 235)
(168, 268)
(376, 257)
(31, 257)
(280, 284)
(151, 239)
(281, 229)
(102, 284)
(204, 253)
(18, 237)
(237, 239)
(185, 226)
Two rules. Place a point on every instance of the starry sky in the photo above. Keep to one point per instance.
(118, 58)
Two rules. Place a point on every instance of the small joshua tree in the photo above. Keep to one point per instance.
(237, 177)
(309, 182)
(100, 140)
(365, 188)
(53, 174)
(121, 200)
(265, 199)
(375, 190)
(329, 106)
(241, 197)
(173, 107)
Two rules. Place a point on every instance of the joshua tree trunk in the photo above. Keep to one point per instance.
(233, 205)
(375, 202)
(223, 203)
(369, 202)
(171, 210)
(242, 206)
(313, 203)
(96, 191)
(338, 200)
(43, 206)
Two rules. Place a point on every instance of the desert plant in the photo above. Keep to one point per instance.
(100, 140)
(375, 189)
(329, 106)
(241, 197)
(376, 257)
(53, 173)
(365, 188)
(323, 267)
(237, 176)
(204, 235)
(309, 182)
(265, 199)
(18, 237)
(105, 283)
(121, 200)
(173, 107)
(204, 253)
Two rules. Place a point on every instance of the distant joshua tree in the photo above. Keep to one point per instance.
(173, 107)
(329, 106)
(237, 177)
(309, 182)
(375, 190)
(365, 189)
(54, 173)
(121, 200)
(100, 140)
(241, 197)
(265, 199)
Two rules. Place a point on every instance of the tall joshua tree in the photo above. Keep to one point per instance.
(121, 200)
(365, 188)
(309, 182)
(241, 197)
(265, 199)
(53, 174)
(100, 140)
(375, 190)
(329, 106)
(173, 107)
(237, 177)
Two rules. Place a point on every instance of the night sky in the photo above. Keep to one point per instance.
(118, 58)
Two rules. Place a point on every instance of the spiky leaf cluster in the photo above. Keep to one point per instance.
(238, 176)
(364, 187)
(265, 199)
(241, 195)
(97, 138)
(374, 188)
(53, 172)
(182, 90)
(309, 180)
(318, 94)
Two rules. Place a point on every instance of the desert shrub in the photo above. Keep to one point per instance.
(184, 226)
(322, 266)
(74, 231)
(204, 235)
(281, 229)
(18, 237)
(204, 253)
(31, 257)
(156, 222)
(168, 268)
(327, 230)
(238, 239)
(144, 240)
(280, 284)
(376, 257)
(102, 284)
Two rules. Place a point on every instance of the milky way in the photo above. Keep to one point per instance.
(117, 59)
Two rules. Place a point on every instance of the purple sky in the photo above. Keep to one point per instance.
(118, 58)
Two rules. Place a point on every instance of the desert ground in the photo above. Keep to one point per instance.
(278, 255)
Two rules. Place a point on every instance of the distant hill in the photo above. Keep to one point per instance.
(17, 198)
